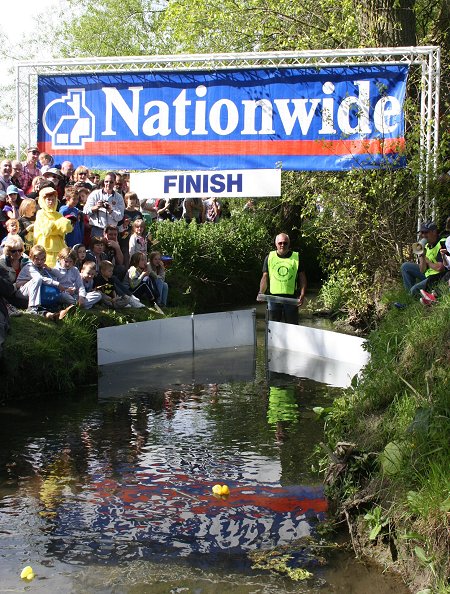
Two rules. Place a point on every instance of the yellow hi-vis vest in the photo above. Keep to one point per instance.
(432, 253)
(282, 273)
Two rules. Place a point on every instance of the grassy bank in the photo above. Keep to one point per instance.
(43, 357)
(388, 447)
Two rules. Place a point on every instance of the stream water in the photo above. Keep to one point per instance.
(112, 491)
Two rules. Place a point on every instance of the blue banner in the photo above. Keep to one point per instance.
(332, 118)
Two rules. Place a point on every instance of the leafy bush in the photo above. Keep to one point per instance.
(214, 264)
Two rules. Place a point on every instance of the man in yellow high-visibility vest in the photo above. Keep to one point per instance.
(284, 276)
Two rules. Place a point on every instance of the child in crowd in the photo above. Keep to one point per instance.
(132, 210)
(34, 275)
(97, 252)
(13, 200)
(46, 162)
(11, 263)
(27, 217)
(156, 266)
(112, 296)
(79, 251)
(131, 214)
(70, 278)
(139, 280)
(83, 194)
(104, 282)
(37, 184)
(75, 216)
(87, 276)
(50, 227)
(13, 228)
(139, 240)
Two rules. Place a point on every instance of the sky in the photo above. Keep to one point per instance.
(29, 11)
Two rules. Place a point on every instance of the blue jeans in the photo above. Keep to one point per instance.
(163, 289)
(410, 274)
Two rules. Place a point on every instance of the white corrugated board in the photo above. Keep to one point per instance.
(175, 335)
(316, 342)
(326, 371)
(224, 329)
(144, 339)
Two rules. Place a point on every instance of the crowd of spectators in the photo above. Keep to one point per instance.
(425, 278)
(71, 239)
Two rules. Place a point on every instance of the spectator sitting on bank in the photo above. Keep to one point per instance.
(193, 210)
(250, 206)
(79, 251)
(106, 283)
(27, 217)
(87, 276)
(34, 275)
(50, 227)
(81, 178)
(16, 177)
(29, 168)
(13, 200)
(213, 210)
(156, 266)
(430, 297)
(96, 252)
(70, 278)
(75, 216)
(6, 291)
(445, 253)
(13, 227)
(139, 279)
(12, 261)
(139, 239)
(5, 174)
(46, 162)
(83, 194)
(55, 176)
(104, 206)
(37, 184)
(95, 179)
(168, 209)
(430, 270)
(3, 217)
(113, 252)
(131, 214)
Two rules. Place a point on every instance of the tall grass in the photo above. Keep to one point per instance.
(399, 413)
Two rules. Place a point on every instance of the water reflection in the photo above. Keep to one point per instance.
(126, 483)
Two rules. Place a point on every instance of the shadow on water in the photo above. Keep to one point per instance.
(114, 494)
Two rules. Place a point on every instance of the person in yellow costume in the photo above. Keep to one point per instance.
(50, 227)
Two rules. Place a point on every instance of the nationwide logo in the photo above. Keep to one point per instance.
(68, 122)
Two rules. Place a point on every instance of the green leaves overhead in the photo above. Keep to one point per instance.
(258, 25)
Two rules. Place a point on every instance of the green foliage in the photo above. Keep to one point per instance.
(400, 411)
(215, 264)
(376, 521)
(109, 28)
(250, 25)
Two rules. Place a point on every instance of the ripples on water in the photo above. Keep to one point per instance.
(115, 496)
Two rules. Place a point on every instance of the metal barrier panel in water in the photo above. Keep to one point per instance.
(184, 334)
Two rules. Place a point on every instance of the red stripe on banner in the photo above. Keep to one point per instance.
(235, 147)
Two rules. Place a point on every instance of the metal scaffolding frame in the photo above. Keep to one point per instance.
(425, 57)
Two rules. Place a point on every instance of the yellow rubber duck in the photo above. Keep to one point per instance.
(221, 490)
(27, 573)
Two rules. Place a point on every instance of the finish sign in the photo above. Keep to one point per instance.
(243, 183)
